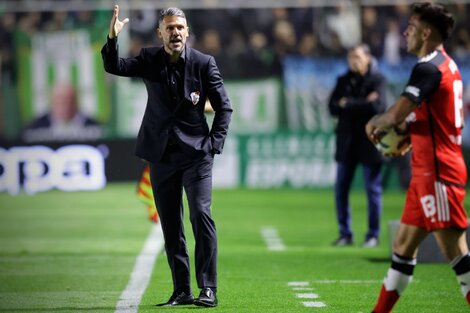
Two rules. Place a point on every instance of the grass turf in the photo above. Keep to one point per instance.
(74, 252)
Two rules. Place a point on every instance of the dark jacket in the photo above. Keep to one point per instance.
(352, 143)
(186, 119)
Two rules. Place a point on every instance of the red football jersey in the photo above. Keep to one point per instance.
(436, 87)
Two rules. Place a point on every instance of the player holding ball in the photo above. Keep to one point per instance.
(431, 105)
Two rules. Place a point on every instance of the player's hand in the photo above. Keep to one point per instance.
(116, 25)
(342, 102)
(399, 154)
(374, 95)
(372, 131)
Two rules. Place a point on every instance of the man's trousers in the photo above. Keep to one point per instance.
(174, 172)
(373, 186)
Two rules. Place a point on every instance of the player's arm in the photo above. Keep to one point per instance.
(394, 117)
(424, 80)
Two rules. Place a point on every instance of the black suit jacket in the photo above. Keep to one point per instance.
(187, 120)
(352, 143)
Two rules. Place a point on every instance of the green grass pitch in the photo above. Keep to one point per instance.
(74, 252)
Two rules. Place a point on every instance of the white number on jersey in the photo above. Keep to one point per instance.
(458, 103)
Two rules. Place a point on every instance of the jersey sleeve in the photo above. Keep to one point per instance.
(424, 80)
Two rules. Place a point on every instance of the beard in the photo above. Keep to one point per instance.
(175, 44)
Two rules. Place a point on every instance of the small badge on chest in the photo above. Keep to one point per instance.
(195, 95)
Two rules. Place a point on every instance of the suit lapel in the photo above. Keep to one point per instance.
(160, 66)
(188, 72)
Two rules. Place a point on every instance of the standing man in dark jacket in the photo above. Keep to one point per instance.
(176, 141)
(359, 94)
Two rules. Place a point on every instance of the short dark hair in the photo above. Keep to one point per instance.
(365, 48)
(172, 11)
(436, 15)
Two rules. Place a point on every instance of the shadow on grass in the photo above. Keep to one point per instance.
(379, 260)
(178, 307)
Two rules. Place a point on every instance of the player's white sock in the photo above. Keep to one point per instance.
(398, 277)
(400, 273)
(461, 267)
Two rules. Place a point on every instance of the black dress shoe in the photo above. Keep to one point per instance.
(206, 298)
(179, 298)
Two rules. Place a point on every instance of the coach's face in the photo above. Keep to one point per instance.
(174, 31)
(358, 60)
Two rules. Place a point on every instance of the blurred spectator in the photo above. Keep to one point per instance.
(63, 121)
(372, 30)
(280, 14)
(461, 43)
(260, 59)
(285, 39)
(210, 43)
(393, 37)
(345, 24)
(234, 53)
(60, 21)
(30, 23)
(84, 19)
(358, 95)
(143, 21)
(309, 46)
(335, 47)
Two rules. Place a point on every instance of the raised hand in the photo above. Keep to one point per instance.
(116, 25)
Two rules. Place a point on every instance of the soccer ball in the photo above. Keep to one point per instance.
(394, 142)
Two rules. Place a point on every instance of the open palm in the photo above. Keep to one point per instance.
(116, 25)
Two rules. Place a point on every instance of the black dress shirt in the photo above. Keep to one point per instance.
(175, 72)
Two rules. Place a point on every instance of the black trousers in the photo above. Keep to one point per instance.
(174, 172)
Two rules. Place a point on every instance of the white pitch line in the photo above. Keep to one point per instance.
(272, 239)
(298, 283)
(315, 304)
(131, 296)
(345, 281)
(307, 296)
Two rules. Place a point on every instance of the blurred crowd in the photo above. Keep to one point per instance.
(250, 42)
(23, 25)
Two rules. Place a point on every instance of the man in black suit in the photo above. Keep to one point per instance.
(358, 95)
(176, 141)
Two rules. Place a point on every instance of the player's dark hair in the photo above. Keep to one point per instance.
(172, 11)
(436, 15)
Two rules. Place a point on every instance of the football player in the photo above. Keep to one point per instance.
(431, 104)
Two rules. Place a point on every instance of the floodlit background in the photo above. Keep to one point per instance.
(279, 59)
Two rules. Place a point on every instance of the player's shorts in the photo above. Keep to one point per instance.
(433, 205)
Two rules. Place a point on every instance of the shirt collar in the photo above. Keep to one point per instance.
(428, 57)
(181, 58)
